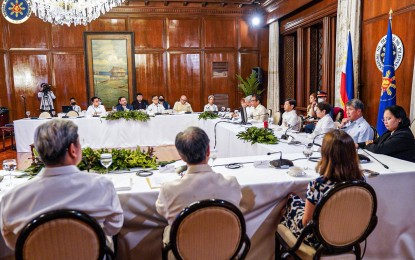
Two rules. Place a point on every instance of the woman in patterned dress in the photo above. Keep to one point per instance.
(339, 162)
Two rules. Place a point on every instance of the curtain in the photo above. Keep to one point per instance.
(273, 93)
(348, 18)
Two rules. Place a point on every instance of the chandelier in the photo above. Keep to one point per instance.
(76, 12)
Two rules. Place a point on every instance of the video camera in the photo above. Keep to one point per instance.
(45, 88)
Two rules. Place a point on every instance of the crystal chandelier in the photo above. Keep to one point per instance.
(74, 12)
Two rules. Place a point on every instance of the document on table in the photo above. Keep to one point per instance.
(156, 181)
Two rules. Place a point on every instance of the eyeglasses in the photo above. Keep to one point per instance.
(386, 119)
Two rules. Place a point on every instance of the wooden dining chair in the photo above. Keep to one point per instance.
(344, 218)
(45, 115)
(72, 113)
(208, 229)
(62, 234)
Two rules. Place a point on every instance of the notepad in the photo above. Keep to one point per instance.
(155, 182)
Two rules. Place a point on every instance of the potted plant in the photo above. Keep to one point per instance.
(249, 86)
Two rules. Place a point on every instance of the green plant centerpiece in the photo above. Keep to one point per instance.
(128, 115)
(208, 115)
(249, 86)
(258, 135)
(122, 159)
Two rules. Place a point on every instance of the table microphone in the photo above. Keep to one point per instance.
(281, 163)
(285, 135)
(384, 165)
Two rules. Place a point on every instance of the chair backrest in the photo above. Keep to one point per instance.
(413, 127)
(277, 118)
(375, 132)
(300, 123)
(346, 215)
(338, 114)
(72, 113)
(45, 115)
(61, 234)
(221, 100)
(209, 229)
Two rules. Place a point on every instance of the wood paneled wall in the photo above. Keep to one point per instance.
(174, 51)
(374, 27)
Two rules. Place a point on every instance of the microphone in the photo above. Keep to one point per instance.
(285, 135)
(384, 165)
(22, 96)
(314, 140)
(281, 163)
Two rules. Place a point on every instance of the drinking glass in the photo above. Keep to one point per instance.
(114, 109)
(228, 110)
(223, 109)
(308, 151)
(9, 165)
(28, 114)
(106, 160)
(53, 113)
(213, 155)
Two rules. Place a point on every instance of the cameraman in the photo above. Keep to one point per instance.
(46, 97)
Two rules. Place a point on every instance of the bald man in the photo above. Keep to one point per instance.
(182, 105)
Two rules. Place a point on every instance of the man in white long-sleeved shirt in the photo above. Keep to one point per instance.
(96, 108)
(289, 117)
(60, 185)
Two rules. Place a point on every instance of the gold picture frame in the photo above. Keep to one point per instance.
(109, 59)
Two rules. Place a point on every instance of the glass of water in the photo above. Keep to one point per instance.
(53, 113)
(9, 165)
(213, 155)
(308, 151)
(106, 160)
(28, 114)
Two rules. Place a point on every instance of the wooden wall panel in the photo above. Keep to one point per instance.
(248, 61)
(108, 25)
(185, 78)
(4, 97)
(248, 35)
(372, 31)
(148, 32)
(69, 79)
(373, 9)
(220, 33)
(34, 34)
(184, 33)
(3, 29)
(68, 37)
(220, 85)
(149, 75)
(28, 72)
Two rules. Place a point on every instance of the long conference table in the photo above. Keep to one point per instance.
(264, 192)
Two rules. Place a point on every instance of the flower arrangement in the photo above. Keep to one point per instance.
(208, 115)
(128, 115)
(258, 135)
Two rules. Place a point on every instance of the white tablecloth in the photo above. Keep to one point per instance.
(98, 133)
(264, 193)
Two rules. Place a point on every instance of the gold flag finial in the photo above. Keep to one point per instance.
(390, 14)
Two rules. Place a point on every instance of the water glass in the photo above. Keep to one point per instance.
(53, 113)
(106, 160)
(223, 109)
(28, 114)
(213, 155)
(308, 151)
(9, 165)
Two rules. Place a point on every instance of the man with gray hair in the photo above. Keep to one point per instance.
(355, 125)
(200, 182)
(60, 185)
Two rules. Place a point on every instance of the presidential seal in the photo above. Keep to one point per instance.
(397, 52)
(16, 11)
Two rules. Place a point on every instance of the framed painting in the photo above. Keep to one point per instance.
(109, 59)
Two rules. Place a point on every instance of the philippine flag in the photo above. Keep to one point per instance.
(347, 83)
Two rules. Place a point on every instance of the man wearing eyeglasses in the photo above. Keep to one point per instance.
(355, 125)
(182, 106)
(260, 112)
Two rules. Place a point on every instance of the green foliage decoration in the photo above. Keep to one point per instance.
(249, 86)
(208, 115)
(128, 115)
(258, 135)
(122, 159)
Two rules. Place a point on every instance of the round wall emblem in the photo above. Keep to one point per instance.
(16, 11)
(397, 52)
